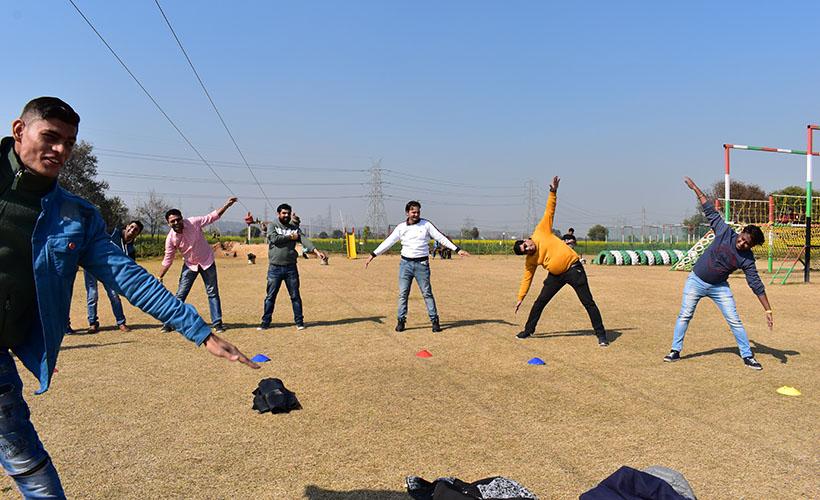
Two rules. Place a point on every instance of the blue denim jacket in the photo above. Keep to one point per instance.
(71, 232)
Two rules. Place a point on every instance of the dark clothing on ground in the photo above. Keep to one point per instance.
(722, 258)
(575, 277)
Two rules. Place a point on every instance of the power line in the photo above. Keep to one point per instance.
(136, 155)
(199, 180)
(127, 69)
(213, 104)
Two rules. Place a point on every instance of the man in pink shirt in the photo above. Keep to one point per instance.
(186, 236)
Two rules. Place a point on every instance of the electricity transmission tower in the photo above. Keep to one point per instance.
(532, 210)
(376, 216)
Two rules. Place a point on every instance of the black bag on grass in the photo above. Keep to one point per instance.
(273, 396)
(450, 488)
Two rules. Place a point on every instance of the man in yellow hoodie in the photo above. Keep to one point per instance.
(546, 249)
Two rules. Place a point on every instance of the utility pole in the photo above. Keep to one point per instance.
(643, 223)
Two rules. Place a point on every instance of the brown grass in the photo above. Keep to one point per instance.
(147, 415)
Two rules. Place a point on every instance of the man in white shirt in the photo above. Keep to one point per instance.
(415, 234)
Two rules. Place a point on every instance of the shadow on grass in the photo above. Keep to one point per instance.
(759, 349)
(611, 335)
(317, 493)
(312, 324)
(448, 325)
(91, 346)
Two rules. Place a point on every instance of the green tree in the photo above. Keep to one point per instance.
(474, 233)
(739, 190)
(337, 233)
(796, 191)
(597, 233)
(366, 234)
(692, 223)
(323, 235)
(79, 176)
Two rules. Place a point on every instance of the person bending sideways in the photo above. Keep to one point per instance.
(563, 265)
(729, 252)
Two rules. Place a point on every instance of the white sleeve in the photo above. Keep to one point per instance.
(389, 241)
(438, 236)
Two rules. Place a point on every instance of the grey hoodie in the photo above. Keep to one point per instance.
(282, 249)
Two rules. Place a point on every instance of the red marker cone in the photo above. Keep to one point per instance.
(424, 353)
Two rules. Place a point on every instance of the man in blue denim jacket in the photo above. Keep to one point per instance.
(56, 231)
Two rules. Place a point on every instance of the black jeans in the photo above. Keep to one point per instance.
(575, 277)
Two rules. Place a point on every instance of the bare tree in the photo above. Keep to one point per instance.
(152, 212)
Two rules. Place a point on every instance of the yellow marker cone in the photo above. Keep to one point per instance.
(788, 391)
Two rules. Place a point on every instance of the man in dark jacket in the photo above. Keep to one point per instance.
(729, 252)
(282, 236)
(45, 233)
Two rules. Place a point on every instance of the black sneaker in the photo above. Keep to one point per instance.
(436, 326)
(602, 341)
(752, 363)
(220, 328)
(166, 329)
(400, 325)
(672, 356)
(523, 334)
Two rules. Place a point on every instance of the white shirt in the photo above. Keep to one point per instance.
(415, 239)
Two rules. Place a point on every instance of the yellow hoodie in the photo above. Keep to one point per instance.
(551, 251)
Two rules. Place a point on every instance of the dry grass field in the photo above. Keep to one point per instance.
(148, 415)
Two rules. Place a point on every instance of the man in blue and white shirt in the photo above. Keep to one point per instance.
(415, 234)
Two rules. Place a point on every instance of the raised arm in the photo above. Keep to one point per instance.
(715, 220)
(549, 212)
(226, 206)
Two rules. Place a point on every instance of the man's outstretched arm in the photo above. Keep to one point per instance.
(549, 212)
(715, 220)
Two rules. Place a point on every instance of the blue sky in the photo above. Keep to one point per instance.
(470, 98)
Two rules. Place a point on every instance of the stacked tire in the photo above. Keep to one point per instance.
(639, 257)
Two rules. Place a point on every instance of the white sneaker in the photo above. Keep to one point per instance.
(300, 327)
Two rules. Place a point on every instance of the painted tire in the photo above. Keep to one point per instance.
(633, 257)
(665, 257)
(649, 257)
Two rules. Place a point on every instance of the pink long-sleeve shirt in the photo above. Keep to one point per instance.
(191, 243)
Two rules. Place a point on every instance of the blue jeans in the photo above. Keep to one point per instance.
(186, 281)
(276, 275)
(420, 270)
(694, 290)
(21, 452)
(93, 297)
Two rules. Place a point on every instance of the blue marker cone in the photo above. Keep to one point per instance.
(260, 358)
(536, 361)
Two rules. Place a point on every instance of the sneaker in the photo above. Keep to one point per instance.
(602, 341)
(672, 356)
(400, 325)
(220, 328)
(436, 326)
(300, 327)
(752, 363)
(523, 334)
(263, 326)
(70, 331)
(124, 328)
(93, 328)
(166, 329)
(324, 261)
